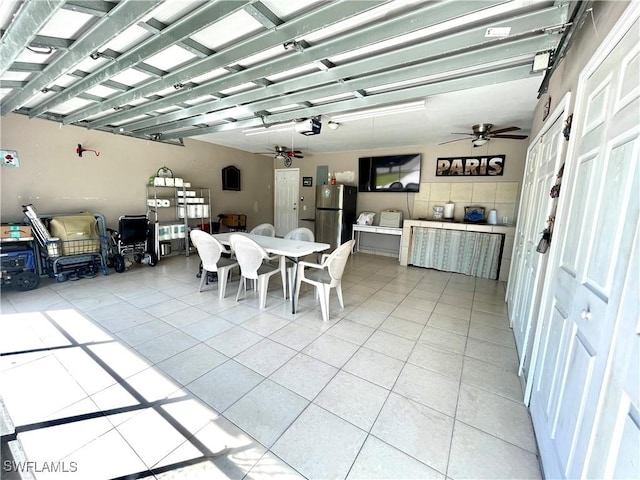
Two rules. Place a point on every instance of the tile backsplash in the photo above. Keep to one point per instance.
(502, 196)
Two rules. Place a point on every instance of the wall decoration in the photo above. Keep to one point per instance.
(164, 172)
(10, 158)
(307, 181)
(547, 233)
(81, 149)
(231, 178)
(546, 109)
(487, 166)
(566, 131)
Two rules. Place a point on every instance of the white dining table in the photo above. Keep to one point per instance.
(294, 250)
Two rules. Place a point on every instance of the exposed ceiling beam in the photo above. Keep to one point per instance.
(22, 31)
(12, 84)
(155, 26)
(97, 8)
(187, 25)
(149, 70)
(521, 25)
(116, 85)
(414, 93)
(44, 41)
(473, 60)
(261, 13)
(27, 67)
(423, 17)
(125, 14)
(324, 16)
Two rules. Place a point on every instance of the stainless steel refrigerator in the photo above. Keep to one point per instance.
(335, 213)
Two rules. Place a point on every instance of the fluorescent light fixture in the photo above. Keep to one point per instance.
(276, 128)
(380, 112)
(480, 141)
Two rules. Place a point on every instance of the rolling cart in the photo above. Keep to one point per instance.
(71, 246)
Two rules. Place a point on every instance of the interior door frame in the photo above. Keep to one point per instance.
(618, 31)
(275, 193)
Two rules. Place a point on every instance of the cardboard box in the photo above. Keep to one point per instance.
(234, 220)
(15, 231)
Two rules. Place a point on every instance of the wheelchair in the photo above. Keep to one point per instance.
(131, 239)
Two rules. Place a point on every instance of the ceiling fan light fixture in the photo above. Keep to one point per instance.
(480, 141)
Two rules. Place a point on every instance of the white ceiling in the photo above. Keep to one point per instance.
(442, 116)
(165, 70)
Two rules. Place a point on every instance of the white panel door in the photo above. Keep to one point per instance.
(594, 236)
(515, 289)
(617, 433)
(287, 191)
(544, 159)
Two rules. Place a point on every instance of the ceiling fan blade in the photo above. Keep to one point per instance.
(297, 156)
(451, 141)
(503, 130)
(514, 137)
(462, 133)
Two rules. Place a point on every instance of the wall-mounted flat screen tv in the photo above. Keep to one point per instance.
(390, 173)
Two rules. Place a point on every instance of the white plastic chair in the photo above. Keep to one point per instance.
(286, 267)
(265, 229)
(251, 258)
(210, 251)
(326, 275)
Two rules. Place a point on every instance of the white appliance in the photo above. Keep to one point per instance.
(391, 218)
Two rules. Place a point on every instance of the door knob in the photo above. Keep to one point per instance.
(585, 314)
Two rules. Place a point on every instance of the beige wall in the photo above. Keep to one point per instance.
(491, 192)
(56, 180)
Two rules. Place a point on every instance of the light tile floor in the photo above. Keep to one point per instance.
(139, 375)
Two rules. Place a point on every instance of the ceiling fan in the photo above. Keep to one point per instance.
(285, 154)
(482, 133)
